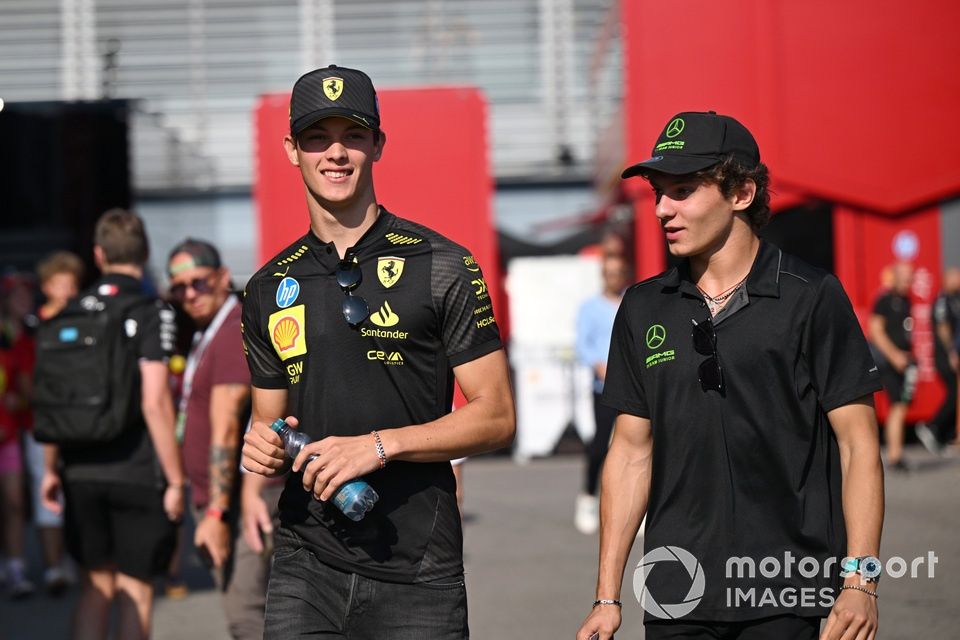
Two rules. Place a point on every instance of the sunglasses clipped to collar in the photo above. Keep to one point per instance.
(710, 373)
(349, 276)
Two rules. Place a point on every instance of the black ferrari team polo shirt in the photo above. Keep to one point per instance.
(429, 312)
(753, 470)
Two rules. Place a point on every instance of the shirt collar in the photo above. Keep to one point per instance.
(384, 221)
(763, 279)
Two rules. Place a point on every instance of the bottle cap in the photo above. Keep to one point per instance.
(278, 424)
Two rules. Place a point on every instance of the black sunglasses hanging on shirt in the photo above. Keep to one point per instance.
(705, 343)
(349, 277)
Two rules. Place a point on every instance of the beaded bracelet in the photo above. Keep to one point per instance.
(615, 602)
(866, 591)
(381, 452)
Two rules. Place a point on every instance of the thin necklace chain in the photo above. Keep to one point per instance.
(715, 303)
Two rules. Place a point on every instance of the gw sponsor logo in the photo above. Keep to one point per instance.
(295, 370)
(481, 288)
(482, 309)
(385, 317)
(386, 357)
(471, 264)
(287, 292)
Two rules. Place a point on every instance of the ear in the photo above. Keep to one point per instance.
(378, 148)
(224, 279)
(743, 196)
(290, 146)
(98, 257)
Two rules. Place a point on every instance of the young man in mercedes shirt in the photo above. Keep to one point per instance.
(746, 427)
(356, 333)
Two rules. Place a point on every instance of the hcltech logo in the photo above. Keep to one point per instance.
(694, 594)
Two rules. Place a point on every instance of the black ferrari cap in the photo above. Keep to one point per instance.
(333, 91)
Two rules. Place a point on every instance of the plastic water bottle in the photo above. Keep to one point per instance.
(354, 499)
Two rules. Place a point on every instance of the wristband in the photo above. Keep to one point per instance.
(613, 602)
(858, 588)
(218, 514)
(381, 452)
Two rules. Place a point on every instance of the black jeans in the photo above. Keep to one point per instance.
(306, 598)
(778, 628)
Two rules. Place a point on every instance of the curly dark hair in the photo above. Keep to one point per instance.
(729, 175)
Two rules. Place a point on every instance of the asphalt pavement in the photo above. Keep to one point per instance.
(531, 575)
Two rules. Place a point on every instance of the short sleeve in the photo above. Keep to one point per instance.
(881, 306)
(158, 333)
(468, 327)
(229, 363)
(262, 360)
(623, 388)
(840, 364)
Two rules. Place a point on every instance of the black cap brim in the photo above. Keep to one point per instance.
(320, 114)
(674, 164)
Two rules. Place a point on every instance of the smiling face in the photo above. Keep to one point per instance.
(335, 157)
(695, 215)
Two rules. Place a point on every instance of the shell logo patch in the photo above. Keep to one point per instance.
(287, 335)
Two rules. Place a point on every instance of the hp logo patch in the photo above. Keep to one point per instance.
(694, 570)
(287, 292)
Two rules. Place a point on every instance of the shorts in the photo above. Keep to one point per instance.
(785, 627)
(121, 526)
(899, 386)
(33, 455)
(10, 459)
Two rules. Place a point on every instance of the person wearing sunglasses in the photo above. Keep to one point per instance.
(359, 329)
(746, 430)
(213, 411)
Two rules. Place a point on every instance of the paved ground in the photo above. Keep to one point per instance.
(531, 575)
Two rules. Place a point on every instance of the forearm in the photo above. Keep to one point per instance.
(484, 424)
(863, 501)
(945, 337)
(623, 502)
(224, 446)
(161, 427)
(51, 455)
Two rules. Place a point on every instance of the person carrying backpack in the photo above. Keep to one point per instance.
(101, 395)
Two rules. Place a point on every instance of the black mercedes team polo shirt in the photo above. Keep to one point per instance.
(752, 472)
(429, 312)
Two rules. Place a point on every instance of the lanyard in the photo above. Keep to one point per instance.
(201, 340)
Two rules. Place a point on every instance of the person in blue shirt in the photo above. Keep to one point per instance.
(594, 326)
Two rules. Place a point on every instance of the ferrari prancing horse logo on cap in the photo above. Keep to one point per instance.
(333, 87)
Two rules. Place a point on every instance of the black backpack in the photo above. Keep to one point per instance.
(86, 383)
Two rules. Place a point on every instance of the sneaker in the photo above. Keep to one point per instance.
(927, 438)
(587, 518)
(55, 581)
(900, 466)
(17, 584)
